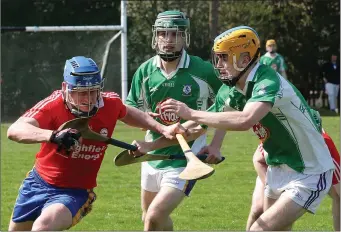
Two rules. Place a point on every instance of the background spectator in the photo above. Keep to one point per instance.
(331, 78)
(273, 59)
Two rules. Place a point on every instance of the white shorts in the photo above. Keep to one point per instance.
(332, 89)
(153, 179)
(306, 190)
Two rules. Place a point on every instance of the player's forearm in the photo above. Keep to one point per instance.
(237, 121)
(140, 119)
(194, 131)
(260, 165)
(218, 138)
(261, 169)
(23, 132)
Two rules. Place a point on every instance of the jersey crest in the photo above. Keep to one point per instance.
(187, 90)
(104, 132)
(262, 132)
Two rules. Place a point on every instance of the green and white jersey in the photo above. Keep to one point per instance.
(194, 82)
(277, 62)
(291, 131)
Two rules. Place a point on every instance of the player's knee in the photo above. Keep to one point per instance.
(256, 227)
(255, 215)
(256, 210)
(154, 217)
(46, 225)
(49, 222)
(151, 217)
(42, 225)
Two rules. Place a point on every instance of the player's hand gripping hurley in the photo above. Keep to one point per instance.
(82, 125)
(194, 170)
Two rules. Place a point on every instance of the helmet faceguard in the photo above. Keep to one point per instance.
(170, 34)
(82, 86)
(228, 48)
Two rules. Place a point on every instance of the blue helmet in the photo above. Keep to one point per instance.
(81, 71)
(82, 74)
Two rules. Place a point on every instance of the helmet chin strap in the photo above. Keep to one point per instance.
(170, 56)
(233, 81)
(82, 114)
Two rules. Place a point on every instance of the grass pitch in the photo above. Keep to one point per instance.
(221, 202)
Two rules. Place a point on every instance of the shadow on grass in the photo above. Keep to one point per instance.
(326, 112)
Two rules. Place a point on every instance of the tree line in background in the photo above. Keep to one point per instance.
(307, 33)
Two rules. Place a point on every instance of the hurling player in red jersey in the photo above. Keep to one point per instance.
(261, 168)
(58, 191)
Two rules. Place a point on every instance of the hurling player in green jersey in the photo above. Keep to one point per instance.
(171, 73)
(274, 59)
(254, 96)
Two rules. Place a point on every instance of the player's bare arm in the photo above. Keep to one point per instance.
(237, 120)
(213, 150)
(138, 118)
(26, 130)
(218, 138)
(193, 131)
(260, 165)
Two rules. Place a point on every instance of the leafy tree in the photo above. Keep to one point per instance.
(307, 32)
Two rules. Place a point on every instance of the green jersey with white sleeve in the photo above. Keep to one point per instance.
(194, 82)
(276, 62)
(291, 131)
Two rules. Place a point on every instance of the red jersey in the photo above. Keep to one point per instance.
(80, 168)
(335, 155)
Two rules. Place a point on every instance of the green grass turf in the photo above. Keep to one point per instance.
(221, 202)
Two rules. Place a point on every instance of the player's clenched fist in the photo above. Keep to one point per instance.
(66, 138)
(177, 107)
(142, 148)
(170, 131)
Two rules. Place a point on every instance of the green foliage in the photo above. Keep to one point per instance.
(307, 32)
(141, 17)
(304, 31)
